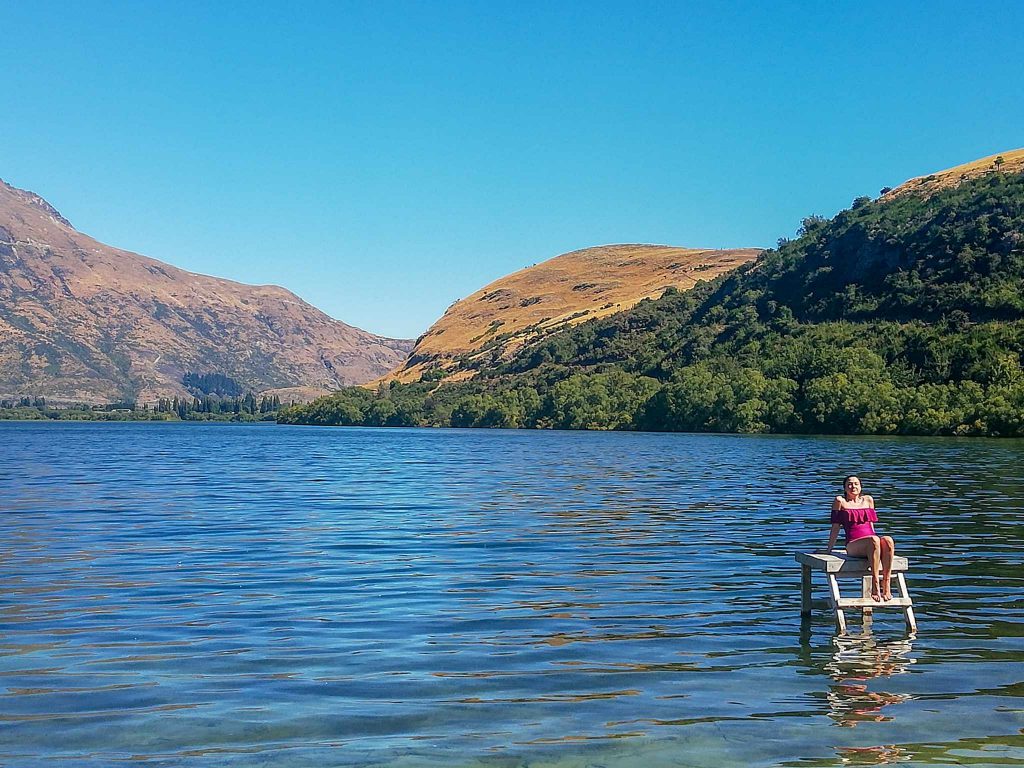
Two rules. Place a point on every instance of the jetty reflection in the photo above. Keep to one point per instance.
(859, 659)
(885, 755)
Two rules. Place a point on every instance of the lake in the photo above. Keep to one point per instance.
(227, 595)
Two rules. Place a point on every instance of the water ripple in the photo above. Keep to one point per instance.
(210, 595)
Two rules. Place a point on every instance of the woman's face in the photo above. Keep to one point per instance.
(852, 487)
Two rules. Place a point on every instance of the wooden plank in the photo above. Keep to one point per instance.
(836, 600)
(908, 612)
(908, 616)
(865, 592)
(842, 563)
(867, 602)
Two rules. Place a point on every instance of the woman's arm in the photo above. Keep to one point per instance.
(837, 504)
(832, 536)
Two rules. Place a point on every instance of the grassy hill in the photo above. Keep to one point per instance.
(899, 315)
(520, 309)
(1005, 162)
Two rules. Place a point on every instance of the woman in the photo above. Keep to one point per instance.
(854, 512)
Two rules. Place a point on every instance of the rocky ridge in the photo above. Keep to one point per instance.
(81, 321)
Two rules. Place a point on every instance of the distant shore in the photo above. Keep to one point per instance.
(97, 413)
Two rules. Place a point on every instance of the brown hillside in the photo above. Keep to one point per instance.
(81, 321)
(1012, 162)
(521, 307)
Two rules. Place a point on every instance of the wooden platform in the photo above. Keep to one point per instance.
(836, 565)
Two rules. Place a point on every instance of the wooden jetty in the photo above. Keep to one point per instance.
(838, 565)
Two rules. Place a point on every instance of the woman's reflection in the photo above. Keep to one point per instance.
(857, 660)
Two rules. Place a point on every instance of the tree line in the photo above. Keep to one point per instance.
(901, 315)
(208, 408)
(212, 384)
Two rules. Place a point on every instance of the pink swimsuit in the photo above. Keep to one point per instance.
(857, 523)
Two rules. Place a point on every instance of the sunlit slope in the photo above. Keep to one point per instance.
(1004, 162)
(521, 308)
(931, 280)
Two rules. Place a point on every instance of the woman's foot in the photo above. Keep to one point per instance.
(876, 593)
(886, 591)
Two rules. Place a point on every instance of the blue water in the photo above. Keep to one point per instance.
(228, 595)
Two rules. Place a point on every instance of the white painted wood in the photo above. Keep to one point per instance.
(837, 562)
(867, 602)
(835, 565)
(908, 612)
(836, 600)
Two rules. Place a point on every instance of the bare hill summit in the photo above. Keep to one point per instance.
(1005, 162)
(523, 307)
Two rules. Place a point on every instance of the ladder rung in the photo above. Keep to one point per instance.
(867, 602)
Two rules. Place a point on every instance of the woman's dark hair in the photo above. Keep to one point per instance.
(847, 479)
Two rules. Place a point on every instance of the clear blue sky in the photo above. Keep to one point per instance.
(384, 159)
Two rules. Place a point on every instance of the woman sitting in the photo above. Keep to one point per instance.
(854, 512)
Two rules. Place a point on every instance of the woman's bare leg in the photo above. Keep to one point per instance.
(869, 547)
(888, 547)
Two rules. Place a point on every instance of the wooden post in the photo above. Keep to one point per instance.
(833, 589)
(908, 610)
(805, 590)
(865, 592)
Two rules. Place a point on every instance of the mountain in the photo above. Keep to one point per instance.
(526, 306)
(900, 315)
(81, 321)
